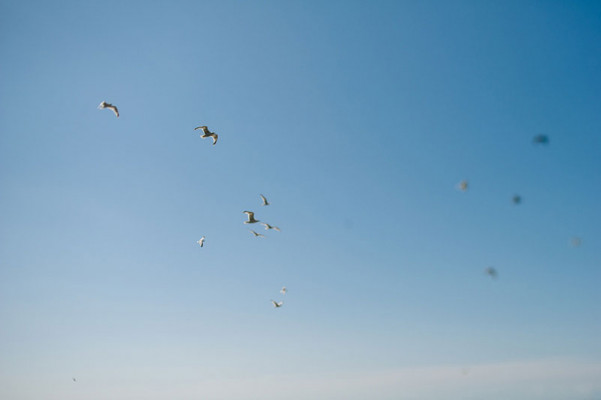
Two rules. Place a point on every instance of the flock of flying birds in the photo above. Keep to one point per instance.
(516, 199)
(250, 219)
(462, 186)
(206, 133)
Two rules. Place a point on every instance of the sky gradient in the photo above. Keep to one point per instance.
(356, 120)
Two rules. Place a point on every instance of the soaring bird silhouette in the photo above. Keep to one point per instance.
(207, 133)
(284, 290)
(462, 185)
(276, 304)
(251, 217)
(490, 271)
(517, 199)
(256, 234)
(265, 202)
(104, 104)
(541, 139)
(201, 242)
(268, 227)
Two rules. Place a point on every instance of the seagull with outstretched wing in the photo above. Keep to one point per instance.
(284, 290)
(256, 234)
(268, 227)
(104, 104)
(251, 217)
(207, 133)
(276, 304)
(265, 202)
(201, 242)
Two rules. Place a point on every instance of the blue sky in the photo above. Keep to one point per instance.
(356, 120)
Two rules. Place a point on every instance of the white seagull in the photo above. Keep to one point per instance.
(201, 242)
(256, 234)
(207, 133)
(265, 202)
(276, 304)
(462, 185)
(284, 290)
(104, 104)
(251, 217)
(268, 227)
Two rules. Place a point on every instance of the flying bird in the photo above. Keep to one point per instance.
(201, 242)
(541, 139)
(104, 104)
(490, 271)
(268, 227)
(462, 185)
(251, 217)
(265, 202)
(576, 241)
(277, 305)
(284, 290)
(256, 234)
(74, 380)
(517, 199)
(207, 133)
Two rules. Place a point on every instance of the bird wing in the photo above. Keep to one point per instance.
(265, 202)
(251, 215)
(276, 228)
(112, 107)
(215, 136)
(204, 129)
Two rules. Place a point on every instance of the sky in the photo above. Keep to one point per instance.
(357, 120)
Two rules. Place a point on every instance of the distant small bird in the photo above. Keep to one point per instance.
(201, 242)
(541, 139)
(268, 227)
(207, 133)
(462, 185)
(277, 305)
(74, 380)
(265, 202)
(576, 241)
(490, 271)
(251, 217)
(284, 290)
(104, 104)
(256, 234)
(517, 199)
